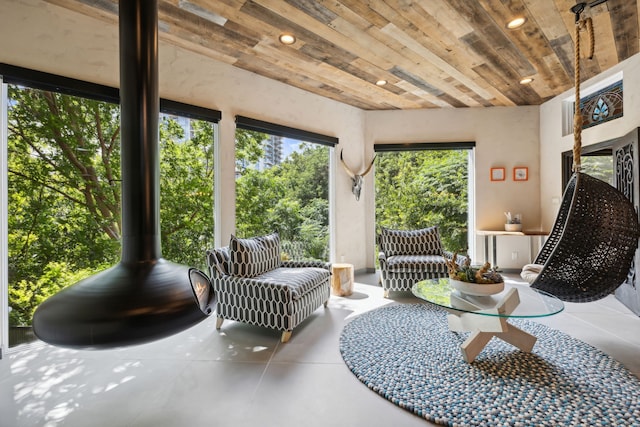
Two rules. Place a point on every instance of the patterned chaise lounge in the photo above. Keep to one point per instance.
(409, 256)
(252, 284)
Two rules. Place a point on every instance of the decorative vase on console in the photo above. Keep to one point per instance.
(514, 222)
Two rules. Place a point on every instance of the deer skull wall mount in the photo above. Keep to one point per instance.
(356, 179)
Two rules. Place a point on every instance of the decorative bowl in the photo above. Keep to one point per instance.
(513, 227)
(478, 289)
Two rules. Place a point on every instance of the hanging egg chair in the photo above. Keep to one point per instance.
(590, 249)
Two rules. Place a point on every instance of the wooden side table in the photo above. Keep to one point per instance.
(342, 279)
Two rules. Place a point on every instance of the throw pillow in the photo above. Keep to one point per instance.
(425, 241)
(530, 272)
(254, 256)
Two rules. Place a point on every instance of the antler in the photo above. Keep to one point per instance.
(353, 174)
(367, 170)
(346, 168)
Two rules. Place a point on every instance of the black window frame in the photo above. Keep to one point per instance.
(34, 79)
(421, 146)
(255, 125)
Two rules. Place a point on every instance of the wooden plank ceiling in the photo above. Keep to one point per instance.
(431, 53)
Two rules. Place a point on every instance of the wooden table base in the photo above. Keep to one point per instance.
(486, 326)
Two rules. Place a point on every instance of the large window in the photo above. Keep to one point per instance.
(63, 193)
(282, 185)
(187, 188)
(425, 185)
(63, 196)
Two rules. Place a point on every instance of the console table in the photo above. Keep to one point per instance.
(490, 239)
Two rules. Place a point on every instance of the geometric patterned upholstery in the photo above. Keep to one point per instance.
(425, 241)
(299, 281)
(413, 263)
(277, 299)
(219, 262)
(254, 256)
(409, 256)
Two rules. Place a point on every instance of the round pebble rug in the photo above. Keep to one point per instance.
(407, 354)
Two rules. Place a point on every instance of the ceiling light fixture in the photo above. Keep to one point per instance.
(287, 38)
(526, 80)
(381, 82)
(516, 23)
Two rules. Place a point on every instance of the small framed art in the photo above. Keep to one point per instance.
(497, 174)
(520, 173)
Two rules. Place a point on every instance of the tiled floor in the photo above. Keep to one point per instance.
(242, 375)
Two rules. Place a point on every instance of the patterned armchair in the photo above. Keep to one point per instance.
(409, 256)
(252, 285)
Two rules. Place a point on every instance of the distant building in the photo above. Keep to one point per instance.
(272, 152)
(273, 156)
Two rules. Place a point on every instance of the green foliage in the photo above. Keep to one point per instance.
(600, 167)
(422, 189)
(25, 295)
(186, 189)
(290, 198)
(64, 199)
(248, 147)
(305, 174)
(257, 195)
(484, 274)
(64, 193)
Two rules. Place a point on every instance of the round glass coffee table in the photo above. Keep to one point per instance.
(486, 316)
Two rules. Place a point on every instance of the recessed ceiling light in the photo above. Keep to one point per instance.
(526, 80)
(287, 38)
(516, 23)
(381, 82)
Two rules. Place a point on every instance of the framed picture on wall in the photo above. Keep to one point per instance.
(520, 173)
(497, 174)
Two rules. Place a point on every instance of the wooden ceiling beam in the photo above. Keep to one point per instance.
(496, 40)
(432, 53)
(330, 62)
(107, 12)
(500, 75)
(363, 48)
(292, 61)
(416, 59)
(530, 40)
(624, 21)
(437, 45)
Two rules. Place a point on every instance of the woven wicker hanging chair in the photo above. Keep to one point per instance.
(591, 246)
(590, 249)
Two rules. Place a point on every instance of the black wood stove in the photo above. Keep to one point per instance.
(144, 297)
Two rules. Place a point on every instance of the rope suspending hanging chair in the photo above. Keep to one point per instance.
(590, 249)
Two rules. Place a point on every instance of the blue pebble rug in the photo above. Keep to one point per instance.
(407, 354)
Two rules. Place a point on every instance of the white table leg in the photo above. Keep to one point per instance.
(518, 338)
(485, 327)
(474, 345)
(479, 339)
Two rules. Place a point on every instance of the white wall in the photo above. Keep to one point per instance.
(553, 144)
(504, 136)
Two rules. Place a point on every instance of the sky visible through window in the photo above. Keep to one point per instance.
(290, 146)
